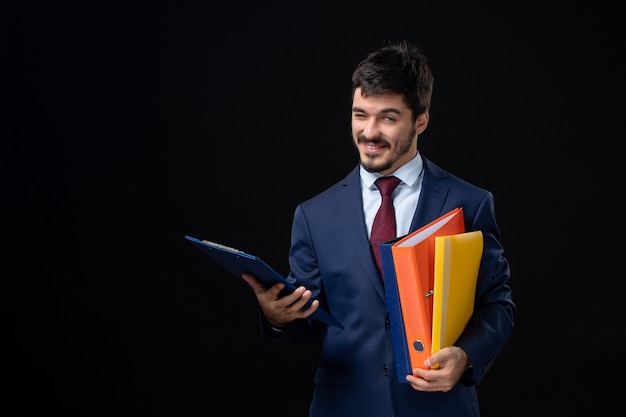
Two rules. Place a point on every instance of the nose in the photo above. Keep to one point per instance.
(370, 128)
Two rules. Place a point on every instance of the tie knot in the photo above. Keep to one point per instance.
(386, 185)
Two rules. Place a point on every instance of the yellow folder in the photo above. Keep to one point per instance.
(457, 261)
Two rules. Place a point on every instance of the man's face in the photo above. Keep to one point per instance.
(383, 131)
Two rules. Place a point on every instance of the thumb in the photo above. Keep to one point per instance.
(251, 280)
(432, 361)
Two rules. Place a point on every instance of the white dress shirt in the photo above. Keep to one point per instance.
(405, 196)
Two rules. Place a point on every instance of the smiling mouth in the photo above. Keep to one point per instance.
(374, 146)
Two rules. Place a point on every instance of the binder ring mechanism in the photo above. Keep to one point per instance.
(418, 346)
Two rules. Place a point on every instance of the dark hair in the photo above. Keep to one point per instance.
(396, 68)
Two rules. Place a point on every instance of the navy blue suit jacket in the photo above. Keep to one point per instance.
(330, 255)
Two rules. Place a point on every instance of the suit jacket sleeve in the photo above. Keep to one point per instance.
(494, 313)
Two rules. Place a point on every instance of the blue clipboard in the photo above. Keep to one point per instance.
(237, 262)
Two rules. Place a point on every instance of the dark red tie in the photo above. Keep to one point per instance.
(384, 226)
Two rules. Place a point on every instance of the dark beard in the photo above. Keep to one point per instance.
(371, 166)
(375, 164)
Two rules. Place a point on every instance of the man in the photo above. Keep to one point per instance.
(331, 260)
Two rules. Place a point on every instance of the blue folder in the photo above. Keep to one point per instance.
(237, 262)
(394, 309)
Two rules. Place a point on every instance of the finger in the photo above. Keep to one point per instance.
(314, 306)
(306, 312)
(439, 358)
(418, 384)
(250, 279)
(297, 299)
(301, 313)
(432, 361)
(253, 282)
(421, 373)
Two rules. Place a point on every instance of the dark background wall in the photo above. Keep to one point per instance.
(129, 126)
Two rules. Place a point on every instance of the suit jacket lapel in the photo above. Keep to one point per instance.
(350, 204)
(432, 197)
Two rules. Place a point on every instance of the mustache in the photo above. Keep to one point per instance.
(363, 139)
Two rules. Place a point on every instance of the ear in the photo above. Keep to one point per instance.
(421, 122)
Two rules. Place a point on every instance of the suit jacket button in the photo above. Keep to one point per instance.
(386, 370)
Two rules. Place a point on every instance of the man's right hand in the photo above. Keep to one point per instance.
(280, 311)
